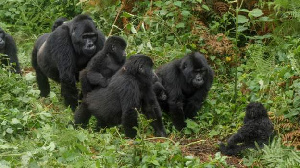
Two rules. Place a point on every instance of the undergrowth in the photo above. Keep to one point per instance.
(237, 43)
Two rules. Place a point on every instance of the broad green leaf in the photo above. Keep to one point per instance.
(15, 121)
(127, 15)
(185, 13)
(178, 3)
(242, 19)
(180, 25)
(256, 13)
(241, 28)
(9, 130)
(205, 7)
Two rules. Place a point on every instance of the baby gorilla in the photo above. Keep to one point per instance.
(257, 128)
(103, 65)
(129, 90)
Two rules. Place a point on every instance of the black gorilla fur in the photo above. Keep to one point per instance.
(129, 90)
(187, 82)
(159, 89)
(41, 39)
(103, 65)
(58, 22)
(65, 52)
(257, 128)
(9, 49)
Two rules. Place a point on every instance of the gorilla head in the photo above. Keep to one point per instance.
(255, 110)
(194, 68)
(58, 22)
(116, 46)
(84, 37)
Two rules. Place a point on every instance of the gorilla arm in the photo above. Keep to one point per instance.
(151, 109)
(66, 65)
(96, 78)
(195, 102)
(129, 95)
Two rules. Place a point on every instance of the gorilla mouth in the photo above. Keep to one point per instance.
(89, 51)
(198, 83)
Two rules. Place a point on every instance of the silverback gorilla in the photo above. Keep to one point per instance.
(257, 128)
(186, 82)
(129, 90)
(64, 53)
(9, 49)
(103, 65)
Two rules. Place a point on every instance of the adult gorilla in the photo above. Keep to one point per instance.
(129, 90)
(186, 82)
(9, 49)
(64, 53)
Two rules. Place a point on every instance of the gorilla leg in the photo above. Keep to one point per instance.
(70, 93)
(43, 83)
(82, 116)
(42, 79)
(152, 110)
(129, 120)
(177, 114)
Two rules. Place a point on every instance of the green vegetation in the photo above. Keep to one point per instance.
(253, 47)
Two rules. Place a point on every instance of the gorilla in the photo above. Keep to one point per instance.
(159, 89)
(65, 52)
(103, 65)
(129, 90)
(58, 22)
(257, 128)
(186, 82)
(8, 51)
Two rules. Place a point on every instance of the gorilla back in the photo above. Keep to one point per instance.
(64, 53)
(130, 89)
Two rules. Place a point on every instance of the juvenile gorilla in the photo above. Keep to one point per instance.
(9, 49)
(257, 128)
(58, 22)
(130, 89)
(187, 82)
(103, 65)
(64, 53)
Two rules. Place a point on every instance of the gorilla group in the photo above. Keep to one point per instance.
(257, 128)
(63, 53)
(186, 83)
(8, 51)
(130, 90)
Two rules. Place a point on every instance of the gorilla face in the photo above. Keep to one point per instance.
(193, 71)
(2, 41)
(141, 67)
(255, 110)
(84, 38)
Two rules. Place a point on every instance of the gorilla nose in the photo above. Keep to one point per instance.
(90, 45)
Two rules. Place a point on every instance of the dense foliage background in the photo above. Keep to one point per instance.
(252, 45)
